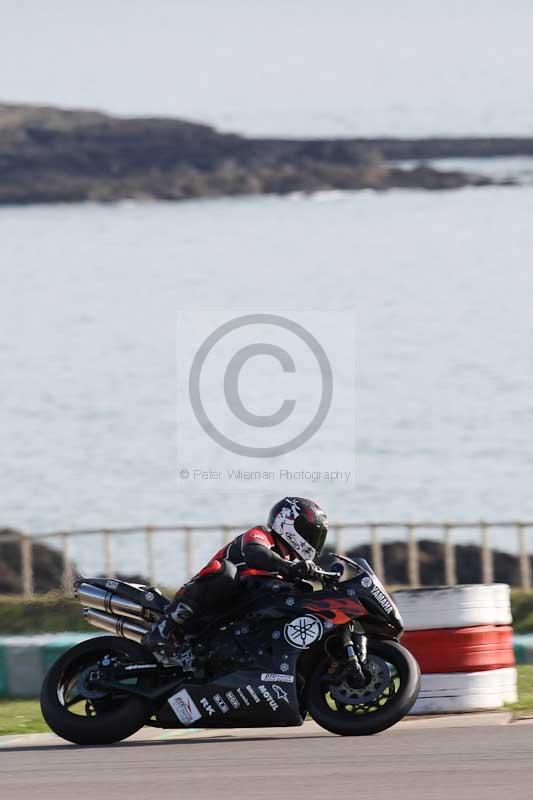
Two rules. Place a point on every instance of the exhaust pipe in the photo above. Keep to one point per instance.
(111, 603)
(117, 625)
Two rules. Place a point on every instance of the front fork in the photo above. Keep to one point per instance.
(354, 643)
(354, 649)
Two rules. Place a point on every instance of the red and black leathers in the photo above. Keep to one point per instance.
(255, 557)
(254, 554)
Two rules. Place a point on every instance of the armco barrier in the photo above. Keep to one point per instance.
(462, 638)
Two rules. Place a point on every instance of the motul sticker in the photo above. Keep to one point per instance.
(184, 707)
(273, 677)
(268, 697)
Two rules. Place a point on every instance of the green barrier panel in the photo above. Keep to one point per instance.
(523, 648)
(51, 651)
(3, 672)
(519, 653)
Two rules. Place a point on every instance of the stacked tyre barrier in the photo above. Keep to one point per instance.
(462, 637)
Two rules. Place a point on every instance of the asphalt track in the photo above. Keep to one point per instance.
(476, 757)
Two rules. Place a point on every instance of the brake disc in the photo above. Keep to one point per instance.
(379, 679)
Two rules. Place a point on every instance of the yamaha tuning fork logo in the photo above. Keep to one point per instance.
(259, 388)
(302, 632)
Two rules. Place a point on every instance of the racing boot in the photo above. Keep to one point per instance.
(169, 632)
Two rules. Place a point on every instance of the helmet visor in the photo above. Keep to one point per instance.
(315, 534)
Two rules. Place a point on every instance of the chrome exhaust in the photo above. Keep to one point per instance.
(117, 625)
(111, 603)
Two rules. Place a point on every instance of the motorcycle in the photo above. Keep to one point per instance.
(271, 660)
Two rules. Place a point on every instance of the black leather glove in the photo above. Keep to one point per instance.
(303, 570)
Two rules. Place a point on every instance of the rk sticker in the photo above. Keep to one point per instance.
(204, 702)
(184, 707)
(302, 632)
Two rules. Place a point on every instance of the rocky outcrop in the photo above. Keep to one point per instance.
(47, 565)
(55, 155)
(431, 555)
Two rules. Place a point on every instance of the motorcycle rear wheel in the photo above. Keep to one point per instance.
(373, 711)
(104, 718)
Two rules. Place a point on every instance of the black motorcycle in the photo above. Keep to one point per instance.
(270, 660)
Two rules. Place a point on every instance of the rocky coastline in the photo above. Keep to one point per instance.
(52, 155)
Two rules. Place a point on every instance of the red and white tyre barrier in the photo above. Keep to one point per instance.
(466, 691)
(487, 647)
(462, 638)
(455, 606)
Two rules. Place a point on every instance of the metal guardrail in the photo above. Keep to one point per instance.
(409, 531)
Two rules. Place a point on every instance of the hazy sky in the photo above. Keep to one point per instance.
(289, 67)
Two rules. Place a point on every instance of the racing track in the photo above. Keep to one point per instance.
(479, 757)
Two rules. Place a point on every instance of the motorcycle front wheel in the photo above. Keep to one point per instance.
(393, 683)
(78, 710)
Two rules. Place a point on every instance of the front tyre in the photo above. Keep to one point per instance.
(83, 713)
(392, 688)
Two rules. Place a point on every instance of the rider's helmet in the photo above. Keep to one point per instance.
(301, 523)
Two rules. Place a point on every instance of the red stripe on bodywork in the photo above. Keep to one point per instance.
(336, 609)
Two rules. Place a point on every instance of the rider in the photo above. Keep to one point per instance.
(286, 549)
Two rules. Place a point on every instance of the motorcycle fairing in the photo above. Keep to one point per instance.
(336, 608)
(245, 699)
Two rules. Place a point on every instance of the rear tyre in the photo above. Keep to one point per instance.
(389, 696)
(86, 716)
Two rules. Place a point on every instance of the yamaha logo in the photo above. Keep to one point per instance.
(302, 632)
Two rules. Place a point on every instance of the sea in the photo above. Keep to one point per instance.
(440, 283)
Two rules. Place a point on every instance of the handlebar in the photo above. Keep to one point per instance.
(322, 573)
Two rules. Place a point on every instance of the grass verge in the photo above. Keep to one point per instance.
(21, 716)
(524, 707)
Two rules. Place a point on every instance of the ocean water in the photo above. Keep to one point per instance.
(441, 283)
